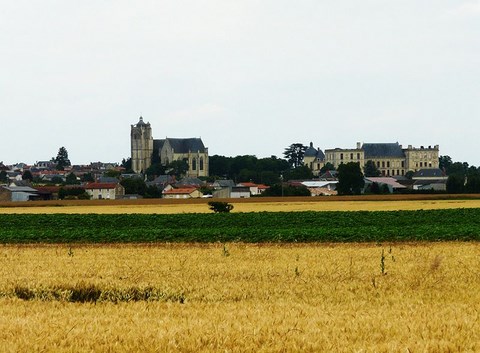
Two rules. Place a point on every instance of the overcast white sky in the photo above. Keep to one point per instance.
(248, 76)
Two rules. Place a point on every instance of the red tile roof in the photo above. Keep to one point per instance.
(248, 184)
(48, 189)
(180, 191)
(101, 186)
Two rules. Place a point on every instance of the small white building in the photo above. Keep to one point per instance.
(255, 189)
(391, 183)
(240, 192)
(321, 187)
(105, 191)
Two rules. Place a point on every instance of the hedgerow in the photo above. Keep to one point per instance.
(362, 226)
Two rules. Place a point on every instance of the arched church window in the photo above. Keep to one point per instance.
(194, 164)
(201, 163)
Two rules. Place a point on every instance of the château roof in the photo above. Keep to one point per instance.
(383, 150)
(310, 151)
(313, 152)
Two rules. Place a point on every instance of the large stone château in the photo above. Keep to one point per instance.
(145, 150)
(391, 159)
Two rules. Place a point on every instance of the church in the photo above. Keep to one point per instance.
(145, 150)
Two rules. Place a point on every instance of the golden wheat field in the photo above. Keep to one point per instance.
(241, 298)
(285, 205)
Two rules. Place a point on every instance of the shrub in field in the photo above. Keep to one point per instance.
(220, 207)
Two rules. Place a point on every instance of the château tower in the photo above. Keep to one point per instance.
(141, 146)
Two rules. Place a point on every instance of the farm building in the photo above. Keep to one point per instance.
(18, 193)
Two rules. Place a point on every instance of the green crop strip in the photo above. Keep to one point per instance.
(434, 225)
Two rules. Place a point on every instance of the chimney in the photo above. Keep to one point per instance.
(359, 145)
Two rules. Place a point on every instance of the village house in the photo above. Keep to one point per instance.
(430, 179)
(255, 189)
(105, 191)
(181, 193)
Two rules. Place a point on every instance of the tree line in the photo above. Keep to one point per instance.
(462, 177)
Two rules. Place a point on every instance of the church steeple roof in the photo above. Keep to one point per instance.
(140, 122)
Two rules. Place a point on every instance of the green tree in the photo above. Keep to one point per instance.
(472, 185)
(269, 177)
(444, 162)
(248, 168)
(112, 173)
(371, 169)
(350, 179)
(294, 154)
(57, 180)
(155, 170)
(27, 175)
(246, 175)
(127, 164)
(286, 190)
(3, 177)
(134, 186)
(242, 163)
(62, 159)
(456, 184)
(152, 192)
(299, 173)
(73, 193)
(458, 168)
(87, 178)
(178, 168)
(409, 174)
(328, 166)
(220, 166)
(71, 179)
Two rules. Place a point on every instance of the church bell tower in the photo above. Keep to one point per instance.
(141, 146)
